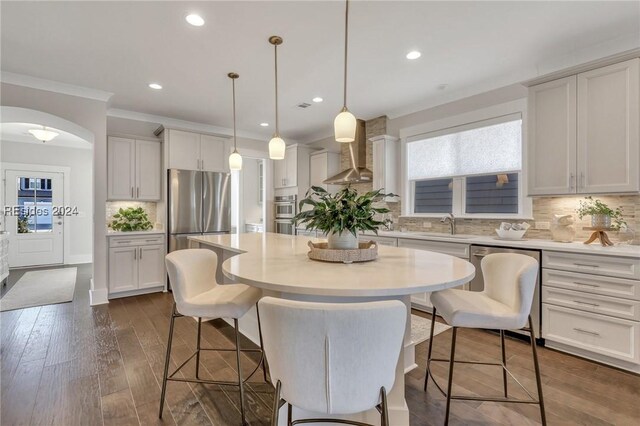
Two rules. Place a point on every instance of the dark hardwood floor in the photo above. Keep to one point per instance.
(70, 364)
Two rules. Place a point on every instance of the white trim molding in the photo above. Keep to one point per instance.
(54, 86)
(99, 296)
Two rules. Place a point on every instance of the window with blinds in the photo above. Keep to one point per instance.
(433, 196)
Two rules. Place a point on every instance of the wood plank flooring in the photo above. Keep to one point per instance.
(70, 364)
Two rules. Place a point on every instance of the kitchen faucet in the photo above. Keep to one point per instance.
(451, 219)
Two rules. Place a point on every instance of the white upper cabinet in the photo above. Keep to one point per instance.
(584, 133)
(552, 137)
(193, 151)
(293, 171)
(385, 163)
(321, 166)
(608, 126)
(134, 169)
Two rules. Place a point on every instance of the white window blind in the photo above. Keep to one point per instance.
(492, 146)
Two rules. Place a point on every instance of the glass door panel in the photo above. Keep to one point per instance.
(35, 202)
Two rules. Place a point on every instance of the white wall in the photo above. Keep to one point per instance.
(81, 182)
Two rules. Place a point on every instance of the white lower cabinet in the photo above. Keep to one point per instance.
(588, 310)
(136, 264)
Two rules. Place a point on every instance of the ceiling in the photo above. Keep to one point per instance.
(19, 132)
(471, 47)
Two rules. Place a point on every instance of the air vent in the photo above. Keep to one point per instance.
(304, 105)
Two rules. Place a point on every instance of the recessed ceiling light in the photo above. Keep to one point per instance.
(317, 99)
(264, 124)
(155, 86)
(414, 54)
(195, 20)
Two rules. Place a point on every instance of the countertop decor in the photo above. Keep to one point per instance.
(365, 252)
(131, 219)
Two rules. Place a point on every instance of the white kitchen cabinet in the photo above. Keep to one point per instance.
(134, 169)
(194, 151)
(323, 165)
(383, 241)
(584, 133)
(552, 137)
(385, 164)
(608, 129)
(136, 264)
(293, 171)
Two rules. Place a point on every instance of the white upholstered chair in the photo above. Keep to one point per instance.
(504, 304)
(332, 358)
(197, 294)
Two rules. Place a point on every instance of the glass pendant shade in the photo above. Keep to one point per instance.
(276, 148)
(345, 127)
(235, 161)
(43, 134)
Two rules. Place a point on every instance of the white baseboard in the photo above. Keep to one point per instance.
(98, 297)
(77, 259)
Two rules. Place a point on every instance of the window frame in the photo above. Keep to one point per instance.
(479, 118)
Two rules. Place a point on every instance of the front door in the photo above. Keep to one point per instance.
(33, 212)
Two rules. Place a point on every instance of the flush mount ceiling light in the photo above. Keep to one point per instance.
(155, 86)
(235, 159)
(43, 134)
(276, 144)
(264, 124)
(414, 54)
(317, 99)
(195, 20)
(344, 125)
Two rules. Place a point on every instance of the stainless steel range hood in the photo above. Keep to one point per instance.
(358, 171)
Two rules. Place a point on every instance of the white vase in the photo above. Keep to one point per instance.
(600, 221)
(346, 241)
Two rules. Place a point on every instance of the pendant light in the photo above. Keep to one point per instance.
(276, 144)
(345, 123)
(235, 159)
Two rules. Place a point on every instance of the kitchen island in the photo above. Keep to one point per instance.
(278, 264)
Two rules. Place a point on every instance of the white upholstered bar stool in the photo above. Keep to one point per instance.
(504, 304)
(197, 294)
(332, 358)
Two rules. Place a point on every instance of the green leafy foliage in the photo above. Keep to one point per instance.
(131, 219)
(344, 211)
(591, 207)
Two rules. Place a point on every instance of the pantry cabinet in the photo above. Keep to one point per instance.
(136, 264)
(584, 133)
(385, 163)
(194, 151)
(133, 169)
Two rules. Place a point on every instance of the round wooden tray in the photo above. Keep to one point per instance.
(366, 252)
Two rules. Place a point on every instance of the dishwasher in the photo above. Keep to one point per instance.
(477, 284)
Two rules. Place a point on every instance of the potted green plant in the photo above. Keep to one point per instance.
(602, 216)
(131, 219)
(342, 215)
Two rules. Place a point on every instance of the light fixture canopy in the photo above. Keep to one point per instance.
(43, 134)
(235, 159)
(344, 125)
(195, 20)
(277, 146)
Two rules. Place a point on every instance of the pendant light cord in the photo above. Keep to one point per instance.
(346, 43)
(233, 88)
(275, 50)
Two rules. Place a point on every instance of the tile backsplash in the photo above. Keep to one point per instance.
(112, 208)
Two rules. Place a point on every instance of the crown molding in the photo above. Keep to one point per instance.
(174, 123)
(54, 86)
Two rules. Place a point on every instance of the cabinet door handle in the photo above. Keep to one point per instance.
(138, 192)
(572, 179)
(588, 285)
(587, 265)
(135, 254)
(132, 192)
(581, 330)
(586, 303)
(202, 164)
(140, 253)
(582, 181)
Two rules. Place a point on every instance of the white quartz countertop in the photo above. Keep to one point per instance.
(623, 250)
(134, 233)
(279, 262)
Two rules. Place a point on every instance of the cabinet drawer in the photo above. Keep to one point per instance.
(137, 240)
(614, 337)
(623, 267)
(453, 249)
(383, 241)
(614, 306)
(588, 283)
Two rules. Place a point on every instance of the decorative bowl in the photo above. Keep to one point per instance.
(511, 234)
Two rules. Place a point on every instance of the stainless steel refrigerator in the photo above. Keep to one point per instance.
(199, 203)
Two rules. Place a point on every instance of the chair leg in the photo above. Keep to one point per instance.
(504, 363)
(276, 405)
(264, 357)
(384, 411)
(240, 381)
(433, 326)
(289, 414)
(450, 384)
(166, 360)
(198, 348)
(536, 366)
